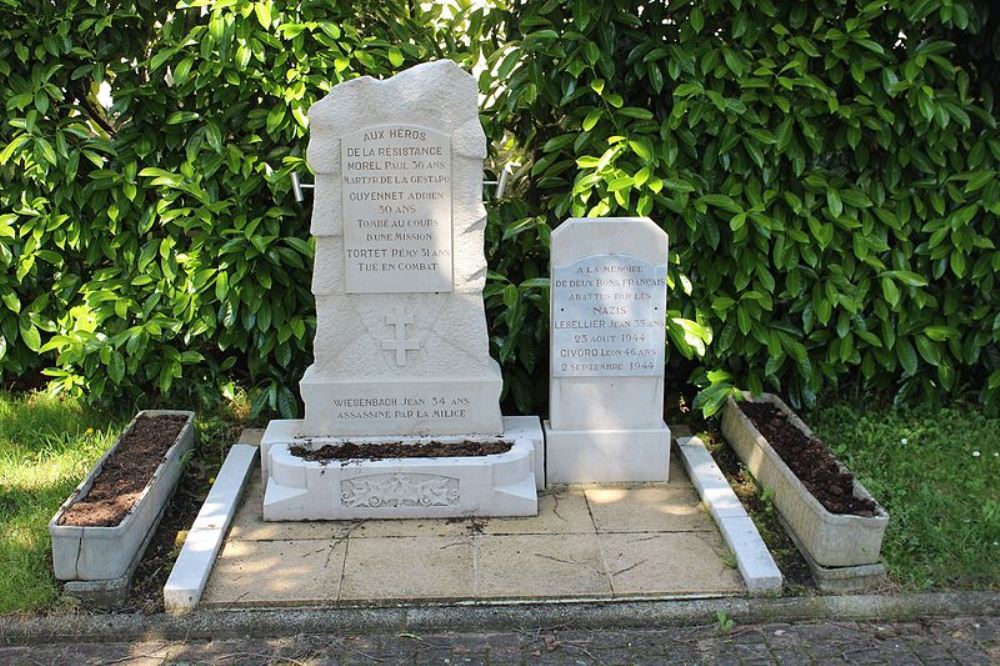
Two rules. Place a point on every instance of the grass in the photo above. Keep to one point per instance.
(937, 472)
(47, 446)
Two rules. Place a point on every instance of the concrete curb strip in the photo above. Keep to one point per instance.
(753, 559)
(580, 615)
(194, 564)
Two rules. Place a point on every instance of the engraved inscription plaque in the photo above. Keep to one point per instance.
(397, 210)
(608, 317)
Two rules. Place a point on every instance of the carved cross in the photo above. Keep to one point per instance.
(399, 343)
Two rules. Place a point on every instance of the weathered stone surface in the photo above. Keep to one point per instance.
(607, 321)
(581, 540)
(399, 271)
(497, 485)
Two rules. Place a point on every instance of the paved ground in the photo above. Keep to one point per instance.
(958, 641)
(653, 540)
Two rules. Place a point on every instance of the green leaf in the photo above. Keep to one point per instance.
(642, 149)
(833, 202)
(179, 117)
(116, 367)
(890, 291)
(620, 184)
(275, 117)
(909, 278)
(907, 356)
(928, 350)
(557, 143)
(979, 180)
(263, 10)
(47, 151)
(591, 120)
(30, 335)
(993, 382)
(697, 19)
(636, 112)
(722, 201)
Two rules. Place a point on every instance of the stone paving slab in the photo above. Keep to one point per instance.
(634, 560)
(588, 542)
(287, 572)
(974, 640)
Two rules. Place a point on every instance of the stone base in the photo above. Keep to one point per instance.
(409, 406)
(841, 580)
(498, 485)
(529, 427)
(608, 456)
(100, 593)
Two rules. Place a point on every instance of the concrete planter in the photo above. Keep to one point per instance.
(501, 484)
(110, 553)
(831, 540)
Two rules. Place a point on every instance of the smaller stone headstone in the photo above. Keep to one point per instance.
(608, 320)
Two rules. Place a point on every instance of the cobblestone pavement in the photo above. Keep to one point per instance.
(954, 641)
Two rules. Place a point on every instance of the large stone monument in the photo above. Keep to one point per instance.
(401, 347)
(608, 315)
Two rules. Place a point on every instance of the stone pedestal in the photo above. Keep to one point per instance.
(607, 331)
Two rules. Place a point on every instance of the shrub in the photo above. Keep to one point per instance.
(158, 239)
(825, 171)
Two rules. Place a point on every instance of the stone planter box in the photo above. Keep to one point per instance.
(828, 539)
(501, 484)
(109, 553)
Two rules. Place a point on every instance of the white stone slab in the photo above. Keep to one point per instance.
(397, 209)
(529, 427)
(608, 456)
(194, 564)
(418, 406)
(496, 485)
(709, 480)
(608, 318)
(759, 571)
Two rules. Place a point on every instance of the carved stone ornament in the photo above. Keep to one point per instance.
(393, 490)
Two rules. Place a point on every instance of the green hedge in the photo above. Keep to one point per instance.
(826, 172)
(156, 247)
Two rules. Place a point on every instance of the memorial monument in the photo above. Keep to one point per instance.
(401, 347)
(607, 327)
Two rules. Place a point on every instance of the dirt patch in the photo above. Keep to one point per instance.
(351, 451)
(117, 489)
(212, 443)
(810, 460)
(798, 576)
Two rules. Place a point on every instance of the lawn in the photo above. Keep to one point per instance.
(937, 472)
(47, 445)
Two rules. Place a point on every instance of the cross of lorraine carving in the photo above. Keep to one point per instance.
(399, 343)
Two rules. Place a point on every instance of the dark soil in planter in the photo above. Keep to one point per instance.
(211, 446)
(348, 451)
(117, 489)
(810, 460)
